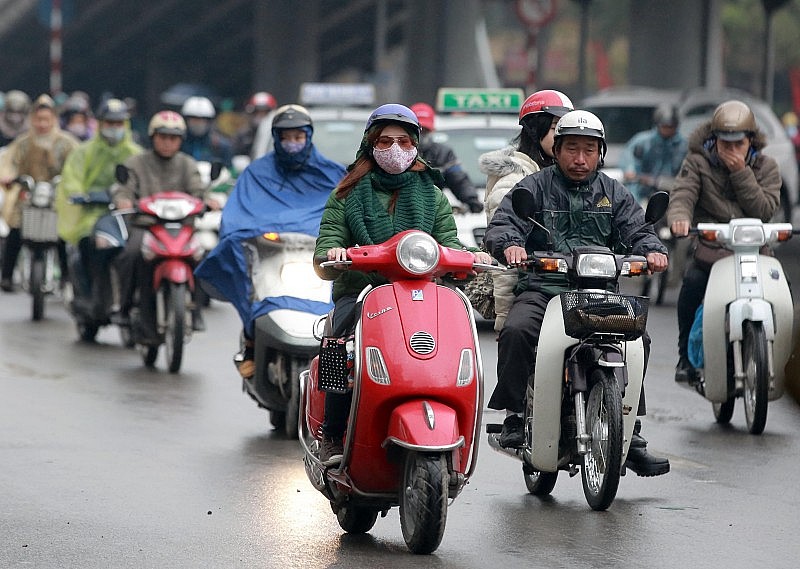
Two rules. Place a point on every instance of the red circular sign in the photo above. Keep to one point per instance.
(536, 12)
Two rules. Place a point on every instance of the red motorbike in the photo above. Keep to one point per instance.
(417, 393)
(172, 247)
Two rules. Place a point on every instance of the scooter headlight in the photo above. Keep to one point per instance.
(748, 235)
(596, 265)
(418, 253)
(42, 194)
(300, 277)
(172, 209)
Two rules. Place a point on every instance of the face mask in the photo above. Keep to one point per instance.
(78, 130)
(292, 147)
(112, 135)
(394, 159)
(199, 128)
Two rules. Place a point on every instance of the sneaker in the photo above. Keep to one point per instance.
(513, 433)
(642, 462)
(331, 450)
(685, 372)
(244, 360)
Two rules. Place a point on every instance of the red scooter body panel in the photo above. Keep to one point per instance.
(414, 377)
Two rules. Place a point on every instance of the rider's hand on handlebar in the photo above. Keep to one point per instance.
(481, 257)
(515, 254)
(680, 228)
(124, 203)
(337, 254)
(657, 262)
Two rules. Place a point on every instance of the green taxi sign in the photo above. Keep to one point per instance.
(457, 100)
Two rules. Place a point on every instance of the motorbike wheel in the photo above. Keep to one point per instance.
(603, 463)
(356, 519)
(37, 284)
(175, 319)
(423, 501)
(756, 377)
(292, 414)
(723, 412)
(539, 483)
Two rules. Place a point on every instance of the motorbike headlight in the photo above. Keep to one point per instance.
(418, 253)
(748, 235)
(172, 209)
(300, 276)
(596, 265)
(42, 194)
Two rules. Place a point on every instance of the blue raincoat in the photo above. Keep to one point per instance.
(267, 198)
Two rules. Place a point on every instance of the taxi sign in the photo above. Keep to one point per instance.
(452, 100)
(337, 94)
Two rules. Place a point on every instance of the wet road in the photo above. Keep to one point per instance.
(104, 463)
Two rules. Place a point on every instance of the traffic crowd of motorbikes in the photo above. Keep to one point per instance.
(357, 300)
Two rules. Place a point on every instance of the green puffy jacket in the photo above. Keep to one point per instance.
(89, 168)
(334, 232)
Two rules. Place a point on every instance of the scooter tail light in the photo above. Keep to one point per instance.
(466, 370)
(376, 366)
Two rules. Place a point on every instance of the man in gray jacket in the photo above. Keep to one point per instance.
(725, 176)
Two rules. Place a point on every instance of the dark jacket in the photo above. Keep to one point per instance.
(599, 211)
(444, 159)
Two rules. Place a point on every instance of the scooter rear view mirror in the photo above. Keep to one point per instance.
(216, 169)
(522, 201)
(656, 206)
(121, 173)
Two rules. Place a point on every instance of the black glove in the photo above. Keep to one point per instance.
(475, 207)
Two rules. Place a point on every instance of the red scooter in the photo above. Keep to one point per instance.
(417, 393)
(174, 249)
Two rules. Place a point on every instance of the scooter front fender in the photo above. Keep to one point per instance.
(424, 425)
(173, 270)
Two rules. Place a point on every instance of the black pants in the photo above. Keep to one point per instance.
(136, 275)
(11, 254)
(695, 281)
(516, 355)
(337, 405)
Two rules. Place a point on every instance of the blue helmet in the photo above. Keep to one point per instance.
(393, 112)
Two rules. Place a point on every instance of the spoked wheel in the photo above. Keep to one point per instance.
(724, 411)
(175, 318)
(37, 285)
(539, 483)
(423, 501)
(756, 376)
(356, 519)
(602, 464)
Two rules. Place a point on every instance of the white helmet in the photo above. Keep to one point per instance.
(581, 123)
(199, 107)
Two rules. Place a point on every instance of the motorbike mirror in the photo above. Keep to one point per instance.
(656, 206)
(216, 169)
(522, 201)
(121, 173)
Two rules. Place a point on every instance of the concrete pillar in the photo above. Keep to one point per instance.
(675, 44)
(285, 46)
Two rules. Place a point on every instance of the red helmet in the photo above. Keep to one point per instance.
(261, 101)
(548, 101)
(425, 115)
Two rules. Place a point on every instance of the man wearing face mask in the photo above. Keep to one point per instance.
(283, 191)
(14, 116)
(163, 168)
(40, 153)
(89, 170)
(203, 141)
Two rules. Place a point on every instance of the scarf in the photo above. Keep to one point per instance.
(415, 208)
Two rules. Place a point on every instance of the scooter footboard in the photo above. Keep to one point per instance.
(424, 425)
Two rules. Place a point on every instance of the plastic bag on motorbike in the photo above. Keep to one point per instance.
(696, 340)
(480, 292)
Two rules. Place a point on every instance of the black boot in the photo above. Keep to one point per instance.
(513, 433)
(642, 462)
(685, 372)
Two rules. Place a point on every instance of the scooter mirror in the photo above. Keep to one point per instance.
(216, 169)
(656, 206)
(522, 201)
(121, 173)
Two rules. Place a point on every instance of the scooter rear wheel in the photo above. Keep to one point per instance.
(423, 501)
(356, 519)
(756, 376)
(602, 465)
(539, 483)
(723, 412)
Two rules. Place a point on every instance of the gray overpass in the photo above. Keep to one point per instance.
(407, 48)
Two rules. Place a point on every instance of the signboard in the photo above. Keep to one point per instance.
(451, 100)
(337, 94)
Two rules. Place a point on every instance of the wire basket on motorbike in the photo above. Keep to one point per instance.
(595, 312)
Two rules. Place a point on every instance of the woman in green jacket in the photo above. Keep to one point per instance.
(387, 190)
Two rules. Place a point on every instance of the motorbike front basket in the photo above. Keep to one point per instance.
(588, 313)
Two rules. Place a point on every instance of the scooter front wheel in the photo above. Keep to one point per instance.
(756, 376)
(423, 501)
(602, 464)
(37, 284)
(175, 319)
(539, 483)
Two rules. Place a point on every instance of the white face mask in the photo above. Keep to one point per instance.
(394, 159)
(112, 135)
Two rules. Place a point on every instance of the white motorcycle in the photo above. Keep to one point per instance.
(582, 399)
(282, 274)
(747, 321)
